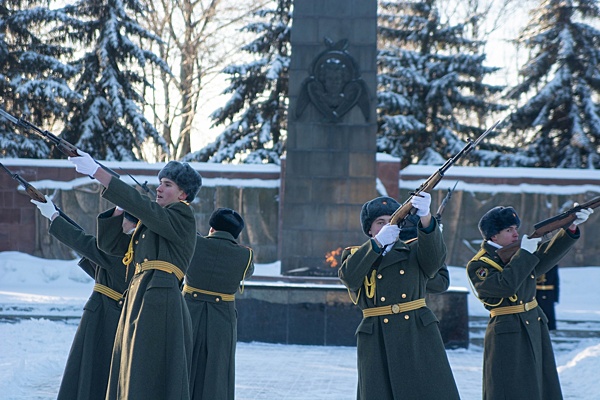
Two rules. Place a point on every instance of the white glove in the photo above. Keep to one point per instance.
(84, 164)
(582, 216)
(422, 202)
(530, 244)
(47, 209)
(388, 234)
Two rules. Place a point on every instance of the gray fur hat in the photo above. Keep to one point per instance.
(374, 209)
(187, 178)
(497, 219)
(228, 220)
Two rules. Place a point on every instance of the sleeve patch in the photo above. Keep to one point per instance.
(482, 273)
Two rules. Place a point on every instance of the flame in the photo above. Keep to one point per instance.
(331, 257)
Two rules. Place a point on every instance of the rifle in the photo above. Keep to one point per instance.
(406, 208)
(36, 194)
(562, 220)
(144, 185)
(444, 203)
(65, 147)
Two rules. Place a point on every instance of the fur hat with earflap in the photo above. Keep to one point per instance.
(374, 209)
(496, 220)
(187, 178)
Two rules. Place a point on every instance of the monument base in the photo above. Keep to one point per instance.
(318, 311)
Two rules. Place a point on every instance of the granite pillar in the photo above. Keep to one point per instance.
(330, 168)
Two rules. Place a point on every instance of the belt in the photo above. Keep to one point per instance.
(514, 309)
(108, 292)
(545, 287)
(220, 296)
(160, 265)
(394, 308)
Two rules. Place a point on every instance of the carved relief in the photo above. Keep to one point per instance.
(334, 86)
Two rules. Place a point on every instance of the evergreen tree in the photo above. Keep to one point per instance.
(33, 79)
(255, 117)
(110, 124)
(432, 96)
(559, 125)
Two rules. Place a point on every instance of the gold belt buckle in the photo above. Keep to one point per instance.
(396, 308)
(526, 306)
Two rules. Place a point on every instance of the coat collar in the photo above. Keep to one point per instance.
(222, 235)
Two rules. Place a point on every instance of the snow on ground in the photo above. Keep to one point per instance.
(33, 350)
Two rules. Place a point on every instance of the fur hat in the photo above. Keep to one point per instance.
(130, 217)
(188, 179)
(374, 209)
(497, 219)
(228, 220)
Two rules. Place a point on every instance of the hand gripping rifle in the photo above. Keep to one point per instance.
(65, 147)
(36, 194)
(406, 208)
(562, 220)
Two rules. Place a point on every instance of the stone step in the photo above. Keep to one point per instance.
(567, 332)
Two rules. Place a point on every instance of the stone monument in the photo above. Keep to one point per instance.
(330, 167)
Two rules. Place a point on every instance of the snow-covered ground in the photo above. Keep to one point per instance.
(33, 350)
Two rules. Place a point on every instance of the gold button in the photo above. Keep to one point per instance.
(195, 294)
(136, 242)
(401, 272)
(527, 322)
(143, 236)
(406, 317)
(379, 276)
(382, 298)
(539, 318)
(145, 259)
(403, 295)
(217, 299)
(120, 302)
(385, 320)
(521, 302)
(532, 276)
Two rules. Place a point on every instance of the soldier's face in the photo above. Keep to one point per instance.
(379, 223)
(128, 226)
(506, 236)
(168, 192)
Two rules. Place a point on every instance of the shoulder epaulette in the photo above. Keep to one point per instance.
(351, 249)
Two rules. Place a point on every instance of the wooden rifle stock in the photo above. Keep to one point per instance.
(562, 220)
(36, 194)
(406, 208)
(65, 147)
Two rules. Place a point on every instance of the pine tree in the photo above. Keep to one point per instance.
(432, 96)
(33, 78)
(255, 117)
(110, 124)
(559, 125)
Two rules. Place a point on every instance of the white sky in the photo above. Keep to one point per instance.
(33, 351)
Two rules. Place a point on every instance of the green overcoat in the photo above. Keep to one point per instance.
(400, 356)
(152, 353)
(518, 360)
(218, 266)
(88, 364)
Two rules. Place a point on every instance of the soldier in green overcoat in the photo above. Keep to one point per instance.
(400, 352)
(518, 360)
(152, 352)
(212, 279)
(86, 372)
